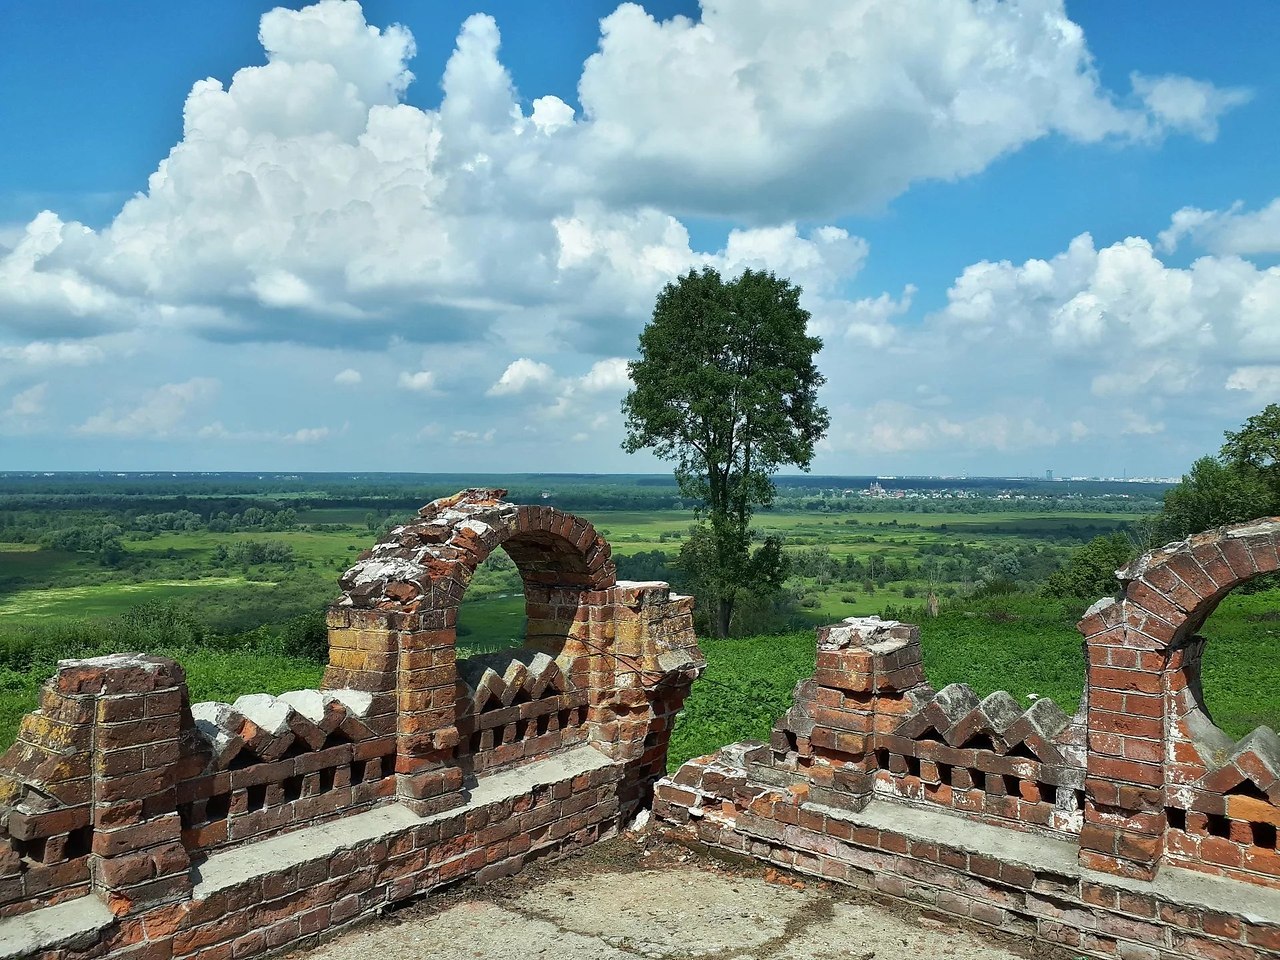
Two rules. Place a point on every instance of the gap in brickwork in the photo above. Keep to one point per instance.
(492, 615)
(1244, 628)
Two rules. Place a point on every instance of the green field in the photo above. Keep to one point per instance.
(1021, 645)
(112, 599)
(236, 624)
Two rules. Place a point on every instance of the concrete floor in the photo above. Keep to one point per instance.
(627, 899)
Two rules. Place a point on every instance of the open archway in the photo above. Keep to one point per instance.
(602, 662)
(1166, 781)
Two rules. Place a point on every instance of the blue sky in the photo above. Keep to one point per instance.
(240, 236)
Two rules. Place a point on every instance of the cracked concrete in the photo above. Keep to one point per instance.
(661, 904)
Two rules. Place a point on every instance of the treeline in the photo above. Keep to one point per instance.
(968, 505)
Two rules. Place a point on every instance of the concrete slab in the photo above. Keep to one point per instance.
(680, 907)
(231, 867)
(72, 923)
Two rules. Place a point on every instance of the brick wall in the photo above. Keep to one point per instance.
(120, 795)
(1144, 830)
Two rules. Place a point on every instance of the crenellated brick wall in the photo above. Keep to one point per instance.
(1135, 828)
(135, 824)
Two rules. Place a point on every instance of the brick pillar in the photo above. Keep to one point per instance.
(406, 660)
(647, 660)
(137, 859)
(428, 778)
(1126, 706)
(866, 668)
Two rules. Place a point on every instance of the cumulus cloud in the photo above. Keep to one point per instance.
(1185, 105)
(522, 375)
(27, 404)
(844, 106)
(348, 378)
(606, 376)
(421, 381)
(1226, 232)
(1123, 302)
(307, 202)
(160, 413)
(1261, 381)
(1092, 344)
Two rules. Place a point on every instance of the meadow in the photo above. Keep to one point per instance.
(236, 593)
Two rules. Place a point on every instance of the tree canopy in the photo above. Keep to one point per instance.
(1241, 483)
(726, 387)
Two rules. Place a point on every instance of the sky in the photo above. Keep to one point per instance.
(1033, 235)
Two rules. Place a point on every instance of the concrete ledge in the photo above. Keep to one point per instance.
(1176, 885)
(234, 867)
(1025, 884)
(943, 827)
(63, 925)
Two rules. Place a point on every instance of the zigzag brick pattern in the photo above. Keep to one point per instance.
(120, 793)
(1136, 828)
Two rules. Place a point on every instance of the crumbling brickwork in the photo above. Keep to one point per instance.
(135, 824)
(1136, 828)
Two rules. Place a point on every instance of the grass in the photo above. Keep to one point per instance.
(1025, 645)
(1022, 644)
(113, 599)
(747, 685)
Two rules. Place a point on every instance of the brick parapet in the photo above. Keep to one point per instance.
(120, 791)
(1139, 793)
(252, 901)
(1020, 884)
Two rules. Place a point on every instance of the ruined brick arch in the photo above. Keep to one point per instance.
(393, 634)
(1163, 778)
(428, 563)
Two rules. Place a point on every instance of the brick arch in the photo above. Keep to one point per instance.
(393, 632)
(1157, 763)
(428, 563)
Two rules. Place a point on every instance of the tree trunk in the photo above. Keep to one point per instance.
(724, 615)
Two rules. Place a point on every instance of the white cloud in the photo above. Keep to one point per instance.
(1226, 232)
(868, 321)
(473, 437)
(307, 202)
(27, 403)
(606, 376)
(1125, 309)
(422, 381)
(1133, 423)
(348, 378)
(305, 435)
(159, 414)
(522, 375)
(1185, 105)
(894, 427)
(308, 435)
(59, 353)
(1261, 381)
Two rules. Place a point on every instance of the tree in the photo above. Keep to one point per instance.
(727, 388)
(1241, 483)
(1091, 572)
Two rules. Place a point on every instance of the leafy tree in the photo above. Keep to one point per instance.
(1256, 446)
(727, 388)
(1090, 574)
(1241, 483)
(1213, 493)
